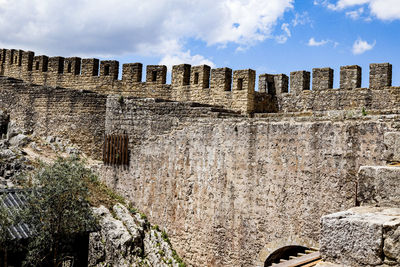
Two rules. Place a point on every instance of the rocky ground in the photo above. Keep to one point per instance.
(124, 238)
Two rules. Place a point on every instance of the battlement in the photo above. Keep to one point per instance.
(221, 86)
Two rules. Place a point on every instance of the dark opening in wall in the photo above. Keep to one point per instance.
(69, 68)
(240, 84)
(284, 254)
(196, 78)
(4, 121)
(106, 70)
(154, 76)
(37, 65)
(16, 60)
(0, 57)
(271, 88)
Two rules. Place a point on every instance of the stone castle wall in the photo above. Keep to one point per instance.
(225, 188)
(75, 115)
(221, 87)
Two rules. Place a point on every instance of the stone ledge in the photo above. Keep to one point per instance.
(379, 186)
(362, 236)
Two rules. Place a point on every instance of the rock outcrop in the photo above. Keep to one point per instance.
(126, 238)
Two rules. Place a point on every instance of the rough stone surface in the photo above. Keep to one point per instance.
(229, 186)
(380, 75)
(299, 81)
(75, 115)
(125, 239)
(379, 186)
(392, 143)
(322, 78)
(361, 236)
(350, 77)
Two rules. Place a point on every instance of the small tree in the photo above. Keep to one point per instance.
(57, 210)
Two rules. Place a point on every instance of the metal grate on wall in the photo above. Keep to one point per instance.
(115, 150)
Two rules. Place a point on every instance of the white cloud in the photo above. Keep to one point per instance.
(313, 42)
(382, 9)
(355, 14)
(160, 28)
(286, 34)
(360, 46)
(301, 19)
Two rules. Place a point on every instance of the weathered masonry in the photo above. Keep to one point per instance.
(234, 90)
(233, 174)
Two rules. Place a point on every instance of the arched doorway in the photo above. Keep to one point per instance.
(297, 255)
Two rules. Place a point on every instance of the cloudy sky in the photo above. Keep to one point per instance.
(270, 36)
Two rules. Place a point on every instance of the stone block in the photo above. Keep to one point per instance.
(244, 80)
(380, 75)
(90, 67)
(72, 65)
(273, 84)
(392, 144)
(378, 186)
(322, 78)
(109, 68)
(132, 72)
(362, 236)
(2, 56)
(11, 56)
(56, 65)
(27, 60)
(299, 81)
(221, 78)
(156, 74)
(40, 63)
(350, 77)
(200, 76)
(181, 75)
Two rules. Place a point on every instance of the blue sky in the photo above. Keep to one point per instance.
(269, 36)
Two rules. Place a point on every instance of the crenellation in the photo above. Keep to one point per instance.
(10, 56)
(200, 76)
(18, 58)
(221, 79)
(72, 66)
(243, 90)
(2, 56)
(132, 72)
(380, 75)
(90, 67)
(350, 77)
(27, 61)
(156, 74)
(299, 81)
(201, 84)
(322, 78)
(40, 63)
(56, 65)
(181, 75)
(109, 68)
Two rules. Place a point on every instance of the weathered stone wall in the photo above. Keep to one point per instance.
(221, 87)
(75, 115)
(225, 188)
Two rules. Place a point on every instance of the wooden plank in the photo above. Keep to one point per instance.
(109, 149)
(112, 149)
(301, 260)
(119, 149)
(312, 263)
(126, 150)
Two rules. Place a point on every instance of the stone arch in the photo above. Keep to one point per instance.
(281, 244)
